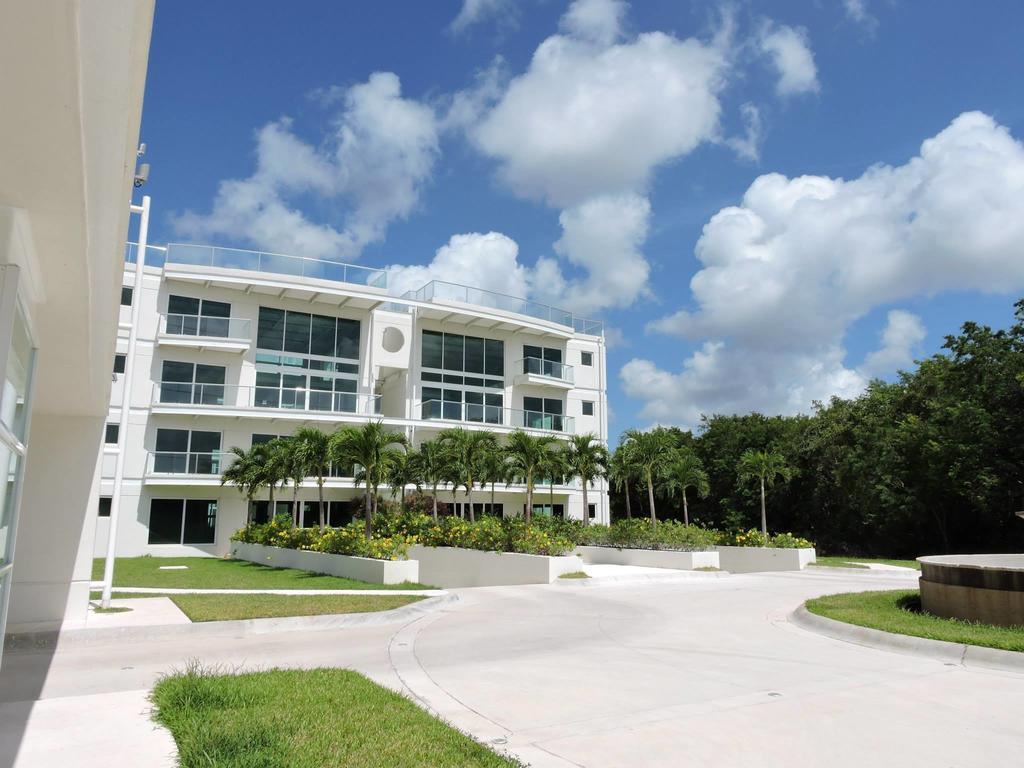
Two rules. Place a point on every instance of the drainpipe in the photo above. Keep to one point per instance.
(126, 397)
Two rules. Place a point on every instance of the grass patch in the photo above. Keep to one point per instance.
(899, 611)
(219, 573)
(575, 575)
(835, 561)
(331, 718)
(111, 609)
(234, 607)
(707, 568)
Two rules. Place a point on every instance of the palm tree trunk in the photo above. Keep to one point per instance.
(469, 502)
(271, 509)
(686, 510)
(586, 507)
(368, 513)
(492, 499)
(320, 489)
(434, 497)
(629, 512)
(764, 515)
(650, 496)
(551, 496)
(529, 499)
(296, 519)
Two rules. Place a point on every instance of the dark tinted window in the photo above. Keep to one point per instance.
(110, 436)
(165, 521)
(586, 358)
(270, 333)
(474, 355)
(119, 362)
(200, 522)
(209, 374)
(432, 345)
(126, 296)
(322, 336)
(453, 351)
(296, 332)
(348, 339)
(215, 309)
(495, 358)
(175, 371)
(182, 305)
(104, 509)
(588, 408)
(171, 440)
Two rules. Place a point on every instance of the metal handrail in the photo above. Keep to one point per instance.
(473, 413)
(277, 398)
(177, 324)
(443, 290)
(540, 367)
(187, 462)
(277, 263)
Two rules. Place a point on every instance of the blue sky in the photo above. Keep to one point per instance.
(588, 154)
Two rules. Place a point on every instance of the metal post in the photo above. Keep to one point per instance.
(126, 398)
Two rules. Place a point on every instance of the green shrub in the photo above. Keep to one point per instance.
(347, 540)
(754, 538)
(642, 534)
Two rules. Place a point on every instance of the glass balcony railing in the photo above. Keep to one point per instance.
(439, 290)
(492, 414)
(279, 398)
(276, 263)
(188, 463)
(553, 370)
(202, 325)
(155, 254)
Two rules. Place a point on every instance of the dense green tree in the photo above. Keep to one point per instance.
(587, 460)
(649, 453)
(429, 468)
(467, 452)
(526, 459)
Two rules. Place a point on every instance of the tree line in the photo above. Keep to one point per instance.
(930, 463)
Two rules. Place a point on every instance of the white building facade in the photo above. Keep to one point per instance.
(237, 347)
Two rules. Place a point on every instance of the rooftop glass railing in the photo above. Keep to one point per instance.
(279, 398)
(496, 415)
(155, 254)
(276, 263)
(536, 366)
(440, 290)
(203, 325)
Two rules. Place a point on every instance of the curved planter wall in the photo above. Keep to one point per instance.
(757, 559)
(361, 568)
(648, 558)
(985, 588)
(449, 567)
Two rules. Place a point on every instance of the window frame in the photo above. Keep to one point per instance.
(184, 504)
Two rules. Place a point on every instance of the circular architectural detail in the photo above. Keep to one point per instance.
(393, 340)
(985, 588)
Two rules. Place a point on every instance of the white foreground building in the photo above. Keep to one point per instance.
(236, 347)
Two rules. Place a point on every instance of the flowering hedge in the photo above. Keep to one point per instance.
(640, 534)
(754, 538)
(347, 540)
(490, 534)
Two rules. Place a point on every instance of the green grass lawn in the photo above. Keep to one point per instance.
(835, 561)
(575, 575)
(899, 611)
(321, 718)
(218, 573)
(245, 606)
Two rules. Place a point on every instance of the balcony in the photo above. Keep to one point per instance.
(268, 402)
(229, 334)
(275, 263)
(534, 370)
(492, 415)
(439, 290)
(187, 463)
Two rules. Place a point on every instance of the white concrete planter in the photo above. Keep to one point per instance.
(361, 568)
(448, 567)
(648, 558)
(756, 559)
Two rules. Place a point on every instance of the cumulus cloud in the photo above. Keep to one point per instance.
(857, 12)
(901, 337)
(593, 115)
(790, 53)
(474, 12)
(373, 162)
(785, 273)
(488, 261)
(748, 146)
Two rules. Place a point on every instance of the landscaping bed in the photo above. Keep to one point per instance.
(450, 567)
(364, 569)
(306, 719)
(898, 611)
(648, 558)
(761, 559)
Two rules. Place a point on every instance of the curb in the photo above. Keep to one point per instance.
(958, 654)
(649, 578)
(35, 641)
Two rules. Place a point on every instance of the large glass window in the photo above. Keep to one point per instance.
(296, 332)
(463, 397)
(184, 451)
(182, 521)
(190, 316)
(270, 329)
(543, 413)
(191, 383)
(433, 342)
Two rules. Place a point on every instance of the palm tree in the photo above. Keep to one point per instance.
(371, 446)
(554, 467)
(621, 475)
(466, 452)
(428, 466)
(687, 471)
(526, 456)
(246, 474)
(275, 470)
(294, 470)
(649, 453)
(493, 469)
(399, 475)
(312, 454)
(765, 466)
(586, 459)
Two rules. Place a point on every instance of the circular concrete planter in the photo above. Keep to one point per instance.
(985, 588)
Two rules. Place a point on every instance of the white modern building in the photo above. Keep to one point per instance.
(234, 347)
(72, 76)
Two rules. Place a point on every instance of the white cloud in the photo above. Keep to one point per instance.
(379, 151)
(474, 12)
(488, 261)
(591, 116)
(857, 12)
(599, 21)
(790, 52)
(901, 337)
(787, 272)
(748, 146)
(603, 236)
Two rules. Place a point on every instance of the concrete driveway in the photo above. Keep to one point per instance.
(697, 672)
